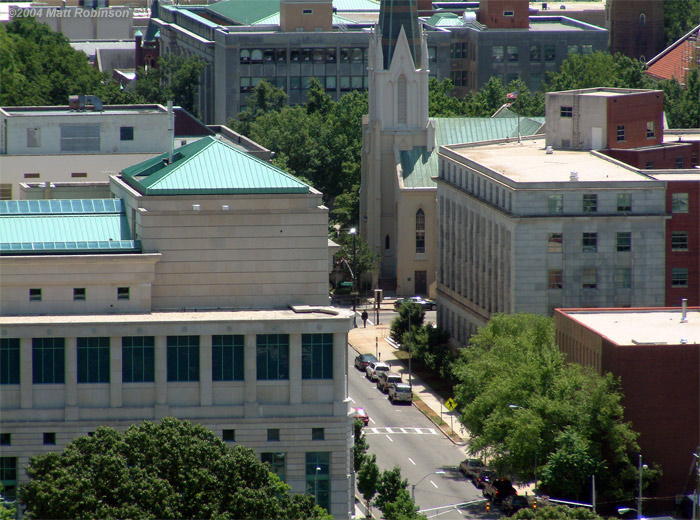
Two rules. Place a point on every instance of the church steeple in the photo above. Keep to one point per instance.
(393, 15)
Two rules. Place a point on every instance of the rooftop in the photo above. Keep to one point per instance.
(64, 110)
(628, 327)
(527, 161)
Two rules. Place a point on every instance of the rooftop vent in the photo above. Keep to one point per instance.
(196, 207)
(549, 150)
(81, 102)
(573, 177)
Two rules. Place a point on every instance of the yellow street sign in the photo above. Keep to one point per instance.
(450, 404)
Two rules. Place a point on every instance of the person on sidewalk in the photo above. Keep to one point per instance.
(364, 317)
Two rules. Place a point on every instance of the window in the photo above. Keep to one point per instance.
(78, 175)
(33, 137)
(642, 19)
(554, 243)
(624, 241)
(550, 53)
(590, 203)
(80, 138)
(123, 293)
(245, 55)
(649, 165)
(587, 49)
(679, 162)
(589, 278)
(420, 231)
(317, 356)
(273, 434)
(651, 129)
(32, 175)
(554, 279)
(5, 439)
(330, 55)
(679, 241)
(183, 358)
(623, 278)
(535, 81)
(272, 356)
(79, 293)
(48, 361)
(307, 11)
(572, 49)
(227, 358)
(624, 202)
(508, 13)
(93, 360)
(402, 100)
(620, 133)
(50, 438)
(318, 482)
(34, 295)
(536, 52)
(228, 435)
(589, 242)
(256, 56)
(679, 277)
(5, 191)
(556, 203)
(138, 359)
(566, 111)
(512, 53)
(276, 462)
(126, 133)
(497, 54)
(679, 203)
(9, 361)
(8, 477)
(318, 434)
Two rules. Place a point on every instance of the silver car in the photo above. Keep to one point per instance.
(400, 392)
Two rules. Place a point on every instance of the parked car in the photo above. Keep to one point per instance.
(374, 367)
(485, 475)
(384, 379)
(498, 490)
(471, 468)
(359, 413)
(513, 504)
(362, 360)
(400, 392)
(427, 305)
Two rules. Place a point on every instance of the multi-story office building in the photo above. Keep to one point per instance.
(199, 291)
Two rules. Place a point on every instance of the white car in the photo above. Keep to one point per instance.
(374, 367)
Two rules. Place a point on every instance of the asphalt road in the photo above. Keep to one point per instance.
(401, 435)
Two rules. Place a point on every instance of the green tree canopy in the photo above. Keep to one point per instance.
(525, 407)
(408, 312)
(171, 469)
(680, 16)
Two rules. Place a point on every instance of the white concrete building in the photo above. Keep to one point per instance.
(199, 291)
(526, 229)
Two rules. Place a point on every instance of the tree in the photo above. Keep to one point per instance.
(171, 469)
(556, 513)
(402, 508)
(525, 407)
(367, 479)
(354, 250)
(681, 102)
(430, 345)
(599, 69)
(7, 511)
(441, 103)
(407, 312)
(680, 16)
(388, 486)
(360, 446)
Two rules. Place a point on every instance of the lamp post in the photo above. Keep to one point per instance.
(318, 468)
(413, 486)
(353, 232)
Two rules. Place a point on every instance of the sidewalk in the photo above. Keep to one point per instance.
(375, 340)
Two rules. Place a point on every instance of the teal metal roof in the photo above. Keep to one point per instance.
(54, 226)
(210, 166)
(274, 19)
(418, 165)
(445, 20)
(245, 12)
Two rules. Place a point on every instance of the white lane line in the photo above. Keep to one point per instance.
(372, 420)
(351, 399)
(392, 440)
(434, 484)
(411, 460)
(389, 430)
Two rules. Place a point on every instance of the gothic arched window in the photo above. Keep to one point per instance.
(420, 231)
(401, 100)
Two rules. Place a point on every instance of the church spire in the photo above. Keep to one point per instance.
(393, 15)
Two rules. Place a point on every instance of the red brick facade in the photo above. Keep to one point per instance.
(633, 112)
(494, 14)
(677, 258)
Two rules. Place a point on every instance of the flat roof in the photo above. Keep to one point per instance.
(641, 326)
(65, 110)
(187, 316)
(527, 161)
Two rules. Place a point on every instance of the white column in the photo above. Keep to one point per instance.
(161, 374)
(295, 369)
(250, 376)
(25, 373)
(71, 382)
(115, 371)
(205, 384)
(340, 365)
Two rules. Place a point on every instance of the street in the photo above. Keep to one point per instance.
(401, 435)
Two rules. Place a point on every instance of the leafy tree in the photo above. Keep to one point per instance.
(524, 406)
(402, 508)
(368, 478)
(355, 250)
(7, 511)
(556, 513)
(346, 208)
(430, 345)
(388, 486)
(172, 469)
(681, 102)
(407, 312)
(440, 101)
(360, 446)
(599, 69)
(680, 16)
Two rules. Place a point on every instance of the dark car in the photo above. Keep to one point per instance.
(513, 504)
(498, 490)
(362, 360)
(486, 475)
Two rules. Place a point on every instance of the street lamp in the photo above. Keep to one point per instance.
(318, 468)
(625, 510)
(413, 486)
(353, 232)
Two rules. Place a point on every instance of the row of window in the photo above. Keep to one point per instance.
(302, 82)
(623, 242)
(78, 138)
(79, 294)
(623, 278)
(478, 186)
(500, 53)
(312, 55)
(138, 358)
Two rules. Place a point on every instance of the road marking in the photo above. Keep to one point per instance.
(351, 399)
(397, 430)
(392, 440)
(434, 484)
(372, 420)
(411, 460)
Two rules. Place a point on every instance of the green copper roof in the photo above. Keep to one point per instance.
(245, 12)
(209, 166)
(54, 226)
(274, 19)
(445, 20)
(418, 165)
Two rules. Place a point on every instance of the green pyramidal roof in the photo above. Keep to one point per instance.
(209, 166)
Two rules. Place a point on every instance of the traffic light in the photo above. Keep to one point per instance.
(534, 505)
(488, 506)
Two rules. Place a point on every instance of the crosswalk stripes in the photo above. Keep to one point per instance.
(395, 430)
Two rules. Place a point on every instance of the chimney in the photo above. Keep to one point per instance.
(684, 312)
(171, 131)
